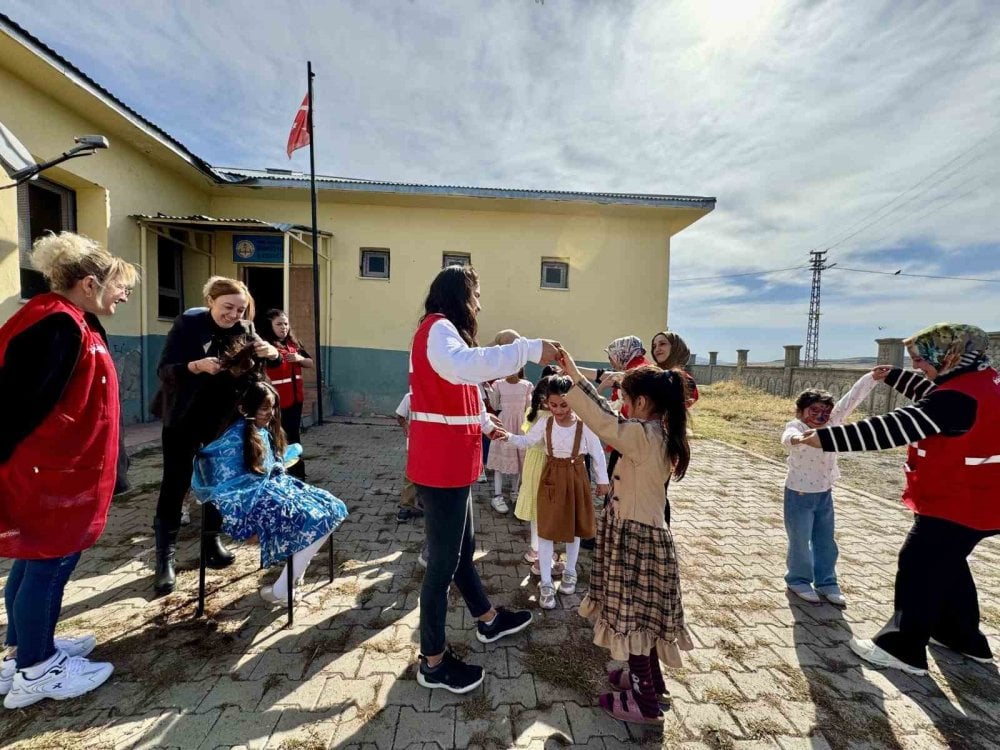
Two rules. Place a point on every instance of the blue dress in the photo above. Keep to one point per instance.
(286, 514)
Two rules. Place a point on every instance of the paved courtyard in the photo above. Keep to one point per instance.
(767, 673)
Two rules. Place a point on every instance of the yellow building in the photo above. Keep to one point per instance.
(580, 267)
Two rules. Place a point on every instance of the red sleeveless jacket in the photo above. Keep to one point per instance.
(958, 478)
(56, 487)
(286, 377)
(445, 446)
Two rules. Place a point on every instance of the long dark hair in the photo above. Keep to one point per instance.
(270, 336)
(538, 397)
(453, 294)
(666, 391)
(254, 447)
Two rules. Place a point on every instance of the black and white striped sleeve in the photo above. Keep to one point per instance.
(948, 413)
(912, 385)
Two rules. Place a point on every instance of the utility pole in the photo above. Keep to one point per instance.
(817, 260)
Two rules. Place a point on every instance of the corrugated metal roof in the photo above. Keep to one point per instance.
(283, 178)
(218, 223)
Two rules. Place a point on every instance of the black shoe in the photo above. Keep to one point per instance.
(507, 622)
(403, 514)
(588, 543)
(166, 552)
(451, 673)
(982, 655)
(216, 555)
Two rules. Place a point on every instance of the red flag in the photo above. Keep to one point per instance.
(299, 136)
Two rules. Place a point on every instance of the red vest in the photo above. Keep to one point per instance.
(958, 478)
(56, 488)
(445, 446)
(287, 377)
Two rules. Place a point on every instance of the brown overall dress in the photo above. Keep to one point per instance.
(565, 507)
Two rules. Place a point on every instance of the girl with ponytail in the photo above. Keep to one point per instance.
(635, 597)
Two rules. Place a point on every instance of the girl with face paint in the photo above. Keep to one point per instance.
(812, 551)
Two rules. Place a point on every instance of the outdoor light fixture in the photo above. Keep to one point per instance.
(19, 165)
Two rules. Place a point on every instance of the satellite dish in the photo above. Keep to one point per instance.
(13, 155)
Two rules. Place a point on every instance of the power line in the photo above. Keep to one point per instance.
(736, 275)
(917, 275)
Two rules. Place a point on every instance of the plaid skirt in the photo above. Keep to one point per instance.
(635, 592)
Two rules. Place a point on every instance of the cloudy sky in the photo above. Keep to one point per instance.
(871, 128)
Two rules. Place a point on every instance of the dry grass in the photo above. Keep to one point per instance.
(763, 728)
(752, 419)
(477, 707)
(726, 698)
(584, 673)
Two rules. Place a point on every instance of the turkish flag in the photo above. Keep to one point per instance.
(299, 136)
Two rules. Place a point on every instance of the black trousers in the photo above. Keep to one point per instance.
(935, 595)
(291, 423)
(179, 448)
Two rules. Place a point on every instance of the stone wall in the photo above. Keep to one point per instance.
(791, 379)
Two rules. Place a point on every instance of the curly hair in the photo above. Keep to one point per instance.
(66, 258)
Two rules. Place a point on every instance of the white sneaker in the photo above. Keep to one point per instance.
(806, 593)
(935, 642)
(59, 678)
(499, 505)
(547, 596)
(422, 560)
(79, 645)
(268, 595)
(185, 514)
(834, 596)
(482, 478)
(879, 657)
(568, 585)
(557, 568)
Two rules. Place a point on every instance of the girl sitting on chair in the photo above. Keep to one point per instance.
(242, 473)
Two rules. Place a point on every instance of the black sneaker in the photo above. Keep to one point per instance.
(451, 673)
(983, 654)
(403, 514)
(507, 622)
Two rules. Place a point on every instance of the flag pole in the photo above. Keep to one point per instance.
(318, 355)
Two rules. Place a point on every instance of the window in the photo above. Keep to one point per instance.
(375, 262)
(456, 259)
(555, 274)
(170, 275)
(42, 206)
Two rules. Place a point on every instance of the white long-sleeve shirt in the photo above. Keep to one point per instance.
(562, 444)
(458, 363)
(811, 469)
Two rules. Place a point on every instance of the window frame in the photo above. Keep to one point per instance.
(562, 265)
(367, 253)
(68, 220)
(177, 292)
(448, 259)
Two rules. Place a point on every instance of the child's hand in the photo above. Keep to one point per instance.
(809, 437)
(499, 434)
(610, 379)
(496, 421)
(603, 489)
(880, 372)
(565, 361)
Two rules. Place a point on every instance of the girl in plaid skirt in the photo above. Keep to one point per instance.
(635, 595)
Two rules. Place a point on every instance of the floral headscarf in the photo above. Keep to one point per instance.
(936, 343)
(624, 350)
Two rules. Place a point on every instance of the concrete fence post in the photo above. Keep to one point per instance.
(792, 360)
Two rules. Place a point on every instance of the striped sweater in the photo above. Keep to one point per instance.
(933, 412)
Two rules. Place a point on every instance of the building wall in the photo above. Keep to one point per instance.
(110, 186)
(617, 281)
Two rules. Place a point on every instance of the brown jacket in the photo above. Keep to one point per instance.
(637, 483)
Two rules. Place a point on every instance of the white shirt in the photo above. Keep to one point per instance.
(811, 469)
(562, 444)
(458, 363)
(403, 410)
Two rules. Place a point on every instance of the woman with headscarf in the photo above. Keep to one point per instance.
(952, 486)
(671, 353)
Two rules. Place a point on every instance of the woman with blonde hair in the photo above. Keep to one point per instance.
(58, 459)
(210, 354)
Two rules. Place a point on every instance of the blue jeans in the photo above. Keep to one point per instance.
(451, 543)
(33, 597)
(812, 552)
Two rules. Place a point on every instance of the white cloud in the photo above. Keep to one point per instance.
(802, 118)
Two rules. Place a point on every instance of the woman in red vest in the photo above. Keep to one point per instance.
(58, 459)
(952, 487)
(444, 458)
(286, 377)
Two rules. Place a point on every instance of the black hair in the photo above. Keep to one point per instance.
(559, 385)
(254, 448)
(812, 396)
(667, 392)
(453, 294)
(270, 336)
(538, 397)
(550, 370)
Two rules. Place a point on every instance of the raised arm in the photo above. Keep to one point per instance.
(458, 363)
(912, 385)
(853, 398)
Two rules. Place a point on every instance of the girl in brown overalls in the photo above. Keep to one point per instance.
(565, 502)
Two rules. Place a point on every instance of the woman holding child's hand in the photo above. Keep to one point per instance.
(810, 438)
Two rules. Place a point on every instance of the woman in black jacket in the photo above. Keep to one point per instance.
(209, 353)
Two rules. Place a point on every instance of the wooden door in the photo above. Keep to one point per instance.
(300, 314)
